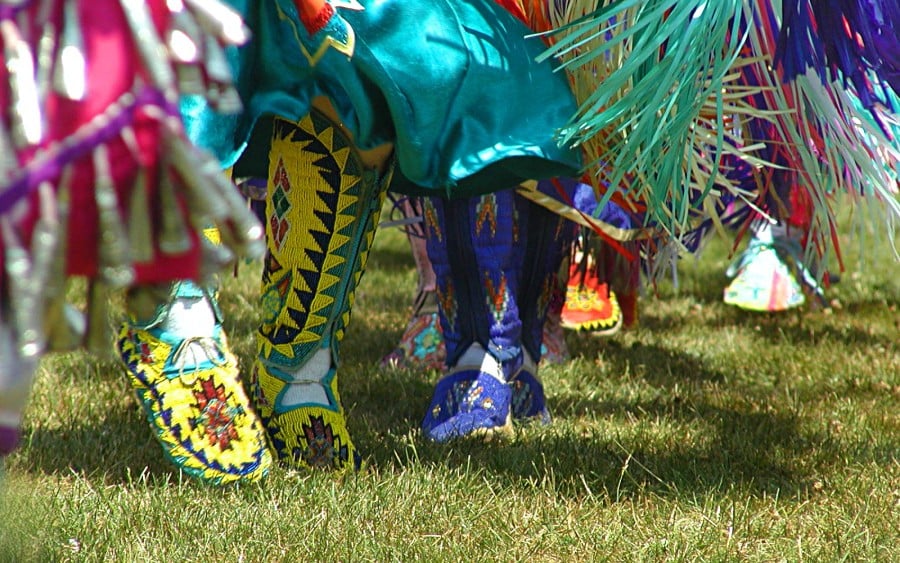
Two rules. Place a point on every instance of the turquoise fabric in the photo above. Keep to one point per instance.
(452, 83)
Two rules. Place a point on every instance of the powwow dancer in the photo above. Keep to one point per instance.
(783, 262)
(296, 373)
(494, 286)
(99, 180)
(496, 259)
(343, 92)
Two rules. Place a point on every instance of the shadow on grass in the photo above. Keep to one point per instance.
(762, 452)
(759, 451)
(659, 366)
(581, 462)
(800, 327)
(117, 448)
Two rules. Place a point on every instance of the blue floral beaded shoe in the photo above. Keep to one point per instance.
(473, 399)
(528, 400)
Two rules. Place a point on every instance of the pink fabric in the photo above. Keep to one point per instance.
(114, 67)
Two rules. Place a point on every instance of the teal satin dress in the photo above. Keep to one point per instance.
(454, 84)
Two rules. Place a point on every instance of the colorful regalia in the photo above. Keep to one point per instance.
(731, 104)
(686, 108)
(673, 96)
(98, 179)
(426, 83)
(432, 79)
(496, 259)
(697, 115)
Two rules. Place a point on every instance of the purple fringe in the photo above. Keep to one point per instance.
(858, 40)
(42, 170)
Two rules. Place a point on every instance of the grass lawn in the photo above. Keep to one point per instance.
(707, 433)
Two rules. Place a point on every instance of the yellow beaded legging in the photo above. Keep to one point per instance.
(322, 206)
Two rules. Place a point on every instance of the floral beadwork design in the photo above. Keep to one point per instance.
(322, 449)
(216, 415)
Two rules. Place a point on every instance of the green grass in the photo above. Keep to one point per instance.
(706, 434)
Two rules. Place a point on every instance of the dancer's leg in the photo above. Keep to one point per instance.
(470, 242)
(546, 237)
(495, 258)
(323, 204)
(590, 303)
